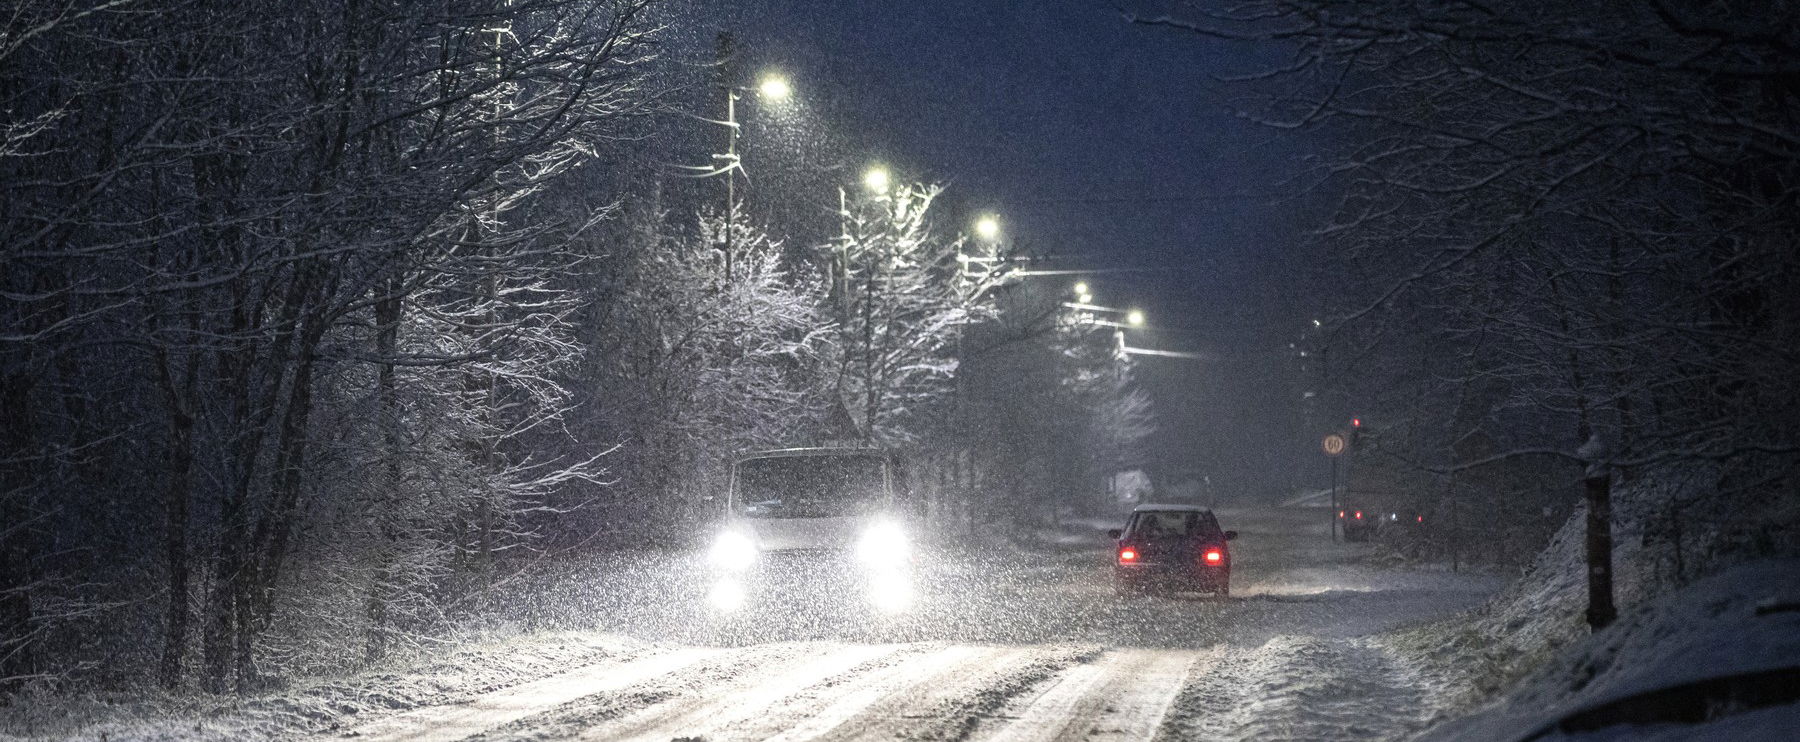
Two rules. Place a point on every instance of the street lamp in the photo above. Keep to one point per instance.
(1081, 288)
(1135, 318)
(774, 87)
(771, 87)
(988, 227)
(876, 179)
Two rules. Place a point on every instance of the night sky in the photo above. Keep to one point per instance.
(1094, 138)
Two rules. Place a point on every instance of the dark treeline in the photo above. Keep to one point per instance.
(1564, 260)
(317, 318)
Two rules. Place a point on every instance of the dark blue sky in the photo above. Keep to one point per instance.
(1089, 136)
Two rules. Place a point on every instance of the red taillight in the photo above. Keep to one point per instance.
(1421, 519)
(1340, 513)
(1127, 555)
(1359, 515)
(1213, 556)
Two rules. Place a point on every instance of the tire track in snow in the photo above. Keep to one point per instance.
(952, 702)
(817, 711)
(460, 721)
(738, 701)
(658, 697)
(1123, 695)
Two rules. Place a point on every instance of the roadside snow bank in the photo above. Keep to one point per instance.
(311, 708)
(1742, 623)
(1302, 688)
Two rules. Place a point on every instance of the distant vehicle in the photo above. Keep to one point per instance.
(812, 526)
(1172, 548)
(1360, 523)
(1357, 524)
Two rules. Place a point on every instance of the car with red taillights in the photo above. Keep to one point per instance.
(1361, 522)
(1357, 523)
(1172, 548)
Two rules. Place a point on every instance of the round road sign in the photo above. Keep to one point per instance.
(1333, 445)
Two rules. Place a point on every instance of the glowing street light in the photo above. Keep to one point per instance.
(1135, 318)
(774, 87)
(876, 179)
(988, 227)
(1081, 288)
(1085, 298)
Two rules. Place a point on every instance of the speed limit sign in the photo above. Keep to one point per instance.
(1333, 444)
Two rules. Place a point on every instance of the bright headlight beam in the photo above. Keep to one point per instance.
(733, 551)
(727, 595)
(883, 543)
(892, 595)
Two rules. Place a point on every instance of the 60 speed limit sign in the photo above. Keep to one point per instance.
(1333, 444)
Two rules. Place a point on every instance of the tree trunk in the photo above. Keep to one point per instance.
(17, 659)
(268, 546)
(175, 548)
(387, 322)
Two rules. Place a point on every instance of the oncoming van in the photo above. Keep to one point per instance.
(805, 526)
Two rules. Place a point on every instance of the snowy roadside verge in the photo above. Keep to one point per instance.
(1717, 657)
(1526, 659)
(455, 676)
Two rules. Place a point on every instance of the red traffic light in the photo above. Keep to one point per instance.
(1356, 422)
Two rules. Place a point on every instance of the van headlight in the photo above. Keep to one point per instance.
(891, 592)
(883, 544)
(732, 551)
(727, 595)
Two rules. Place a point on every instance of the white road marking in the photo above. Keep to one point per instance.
(449, 723)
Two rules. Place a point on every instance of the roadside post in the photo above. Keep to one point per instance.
(1333, 445)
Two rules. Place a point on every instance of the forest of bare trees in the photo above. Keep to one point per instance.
(1564, 242)
(316, 318)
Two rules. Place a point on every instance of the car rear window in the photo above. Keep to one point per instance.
(1173, 523)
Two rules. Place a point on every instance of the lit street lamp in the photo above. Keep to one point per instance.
(1135, 318)
(876, 179)
(772, 88)
(1081, 288)
(988, 227)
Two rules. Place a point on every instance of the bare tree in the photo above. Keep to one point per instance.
(1592, 204)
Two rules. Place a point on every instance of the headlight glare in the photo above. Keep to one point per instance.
(732, 550)
(883, 544)
(727, 595)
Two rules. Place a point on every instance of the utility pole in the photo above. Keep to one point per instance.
(1597, 483)
(726, 52)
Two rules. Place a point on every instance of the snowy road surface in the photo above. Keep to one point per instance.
(1025, 648)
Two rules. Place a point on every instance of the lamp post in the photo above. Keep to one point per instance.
(772, 87)
(987, 229)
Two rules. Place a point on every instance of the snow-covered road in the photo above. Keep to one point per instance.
(1040, 651)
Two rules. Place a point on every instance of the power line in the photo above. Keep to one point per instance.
(1147, 200)
(1089, 271)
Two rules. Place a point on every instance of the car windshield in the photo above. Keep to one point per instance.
(822, 486)
(1157, 524)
